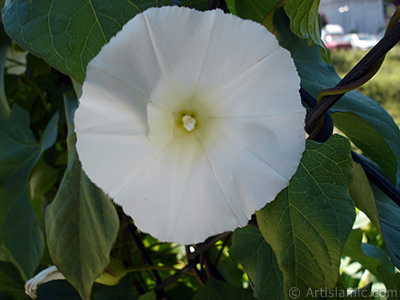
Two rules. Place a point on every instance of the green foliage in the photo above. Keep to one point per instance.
(389, 214)
(11, 283)
(294, 224)
(304, 22)
(259, 263)
(81, 213)
(361, 192)
(62, 290)
(367, 138)
(302, 235)
(317, 75)
(254, 10)
(19, 153)
(369, 256)
(68, 34)
(215, 289)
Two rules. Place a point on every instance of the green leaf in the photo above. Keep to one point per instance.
(216, 289)
(308, 223)
(369, 256)
(20, 231)
(367, 138)
(364, 199)
(42, 179)
(68, 34)
(11, 283)
(389, 214)
(113, 273)
(258, 260)
(317, 75)
(254, 10)
(81, 222)
(304, 21)
(226, 266)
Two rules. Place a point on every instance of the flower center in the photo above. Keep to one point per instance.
(188, 122)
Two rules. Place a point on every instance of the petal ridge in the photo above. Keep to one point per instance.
(217, 180)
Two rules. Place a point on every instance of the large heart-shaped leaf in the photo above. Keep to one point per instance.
(308, 223)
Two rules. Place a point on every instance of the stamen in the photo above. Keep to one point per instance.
(188, 122)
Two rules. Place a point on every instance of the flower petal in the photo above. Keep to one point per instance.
(120, 59)
(179, 192)
(272, 139)
(235, 46)
(112, 133)
(253, 158)
(171, 30)
(258, 91)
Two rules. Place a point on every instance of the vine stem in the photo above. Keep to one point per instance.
(193, 259)
(367, 64)
(207, 244)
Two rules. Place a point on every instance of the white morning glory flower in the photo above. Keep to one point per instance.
(191, 121)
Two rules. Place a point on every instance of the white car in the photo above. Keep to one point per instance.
(362, 41)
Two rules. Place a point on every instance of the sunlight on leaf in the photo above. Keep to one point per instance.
(369, 256)
(304, 22)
